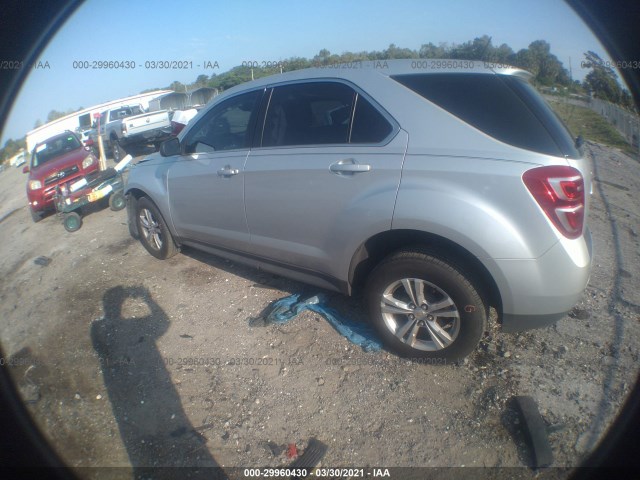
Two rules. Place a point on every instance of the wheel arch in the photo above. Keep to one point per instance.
(375, 249)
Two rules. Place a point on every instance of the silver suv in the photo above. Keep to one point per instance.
(440, 188)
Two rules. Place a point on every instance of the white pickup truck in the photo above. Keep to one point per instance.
(130, 125)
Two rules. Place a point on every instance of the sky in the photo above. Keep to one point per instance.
(232, 32)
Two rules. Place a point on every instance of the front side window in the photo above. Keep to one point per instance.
(226, 126)
(311, 113)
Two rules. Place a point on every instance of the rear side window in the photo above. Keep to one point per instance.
(491, 104)
(369, 126)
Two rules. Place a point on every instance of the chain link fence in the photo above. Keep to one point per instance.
(624, 121)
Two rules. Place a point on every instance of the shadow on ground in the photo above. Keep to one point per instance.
(153, 425)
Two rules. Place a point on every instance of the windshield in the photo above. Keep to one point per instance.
(54, 148)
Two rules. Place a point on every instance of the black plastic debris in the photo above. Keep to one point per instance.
(42, 260)
(311, 457)
(535, 431)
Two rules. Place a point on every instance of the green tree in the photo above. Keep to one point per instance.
(177, 86)
(11, 147)
(429, 50)
(54, 115)
(602, 79)
(478, 49)
(202, 80)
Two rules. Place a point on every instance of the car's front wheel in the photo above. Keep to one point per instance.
(35, 216)
(425, 306)
(154, 234)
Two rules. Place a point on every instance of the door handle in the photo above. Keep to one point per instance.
(349, 167)
(227, 171)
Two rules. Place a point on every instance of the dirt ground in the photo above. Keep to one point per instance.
(125, 360)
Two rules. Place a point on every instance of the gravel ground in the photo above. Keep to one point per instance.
(125, 360)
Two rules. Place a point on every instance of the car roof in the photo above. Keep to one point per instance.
(361, 70)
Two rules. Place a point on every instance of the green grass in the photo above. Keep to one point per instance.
(586, 122)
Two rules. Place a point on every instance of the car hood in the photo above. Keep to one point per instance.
(74, 157)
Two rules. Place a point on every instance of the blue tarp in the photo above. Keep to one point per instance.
(287, 308)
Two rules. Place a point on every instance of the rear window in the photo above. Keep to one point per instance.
(502, 106)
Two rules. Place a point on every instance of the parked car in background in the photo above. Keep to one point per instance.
(180, 118)
(59, 161)
(89, 139)
(20, 159)
(439, 192)
(130, 125)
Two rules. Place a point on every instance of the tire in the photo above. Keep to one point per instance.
(117, 152)
(35, 216)
(72, 222)
(153, 231)
(442, 316)
(117, 201)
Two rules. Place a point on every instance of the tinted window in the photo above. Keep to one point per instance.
(545, 113)
(369, 126)
(488, 103)
(225, 127)
(308, 114)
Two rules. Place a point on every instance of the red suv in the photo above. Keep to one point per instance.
(57, 162)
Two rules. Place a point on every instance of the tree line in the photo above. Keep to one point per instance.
(547, 69)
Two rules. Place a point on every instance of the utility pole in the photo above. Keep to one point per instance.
(570, 71)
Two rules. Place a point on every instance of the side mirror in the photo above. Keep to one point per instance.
(170, 147)
(25, 169)
(579, 141)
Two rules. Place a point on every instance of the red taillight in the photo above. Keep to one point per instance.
(559, 190)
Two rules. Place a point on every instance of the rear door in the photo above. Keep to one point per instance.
(206, 187)
(323, 178)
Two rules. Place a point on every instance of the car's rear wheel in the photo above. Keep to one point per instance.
(154, 234)
(424, 305)
(116, 150)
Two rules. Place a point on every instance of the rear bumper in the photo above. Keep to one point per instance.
(538, 292)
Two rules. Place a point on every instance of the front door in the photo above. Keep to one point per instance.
(206, 185)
